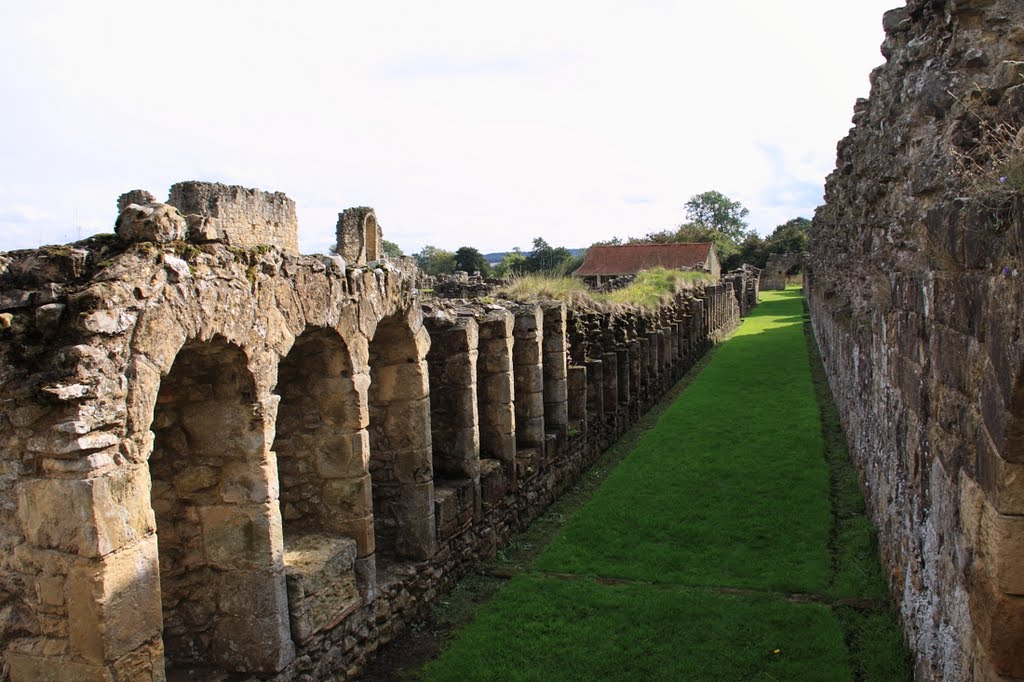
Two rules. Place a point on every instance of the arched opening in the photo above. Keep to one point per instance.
(321, 447)
(400, 443)
(370, 238)
(454, 422)
(218, 523)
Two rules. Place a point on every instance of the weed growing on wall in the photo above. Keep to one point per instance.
(992, 168)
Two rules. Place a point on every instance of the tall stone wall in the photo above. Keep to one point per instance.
(915, 293)
(219, 461)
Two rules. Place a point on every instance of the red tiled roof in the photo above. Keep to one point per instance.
(632, 258)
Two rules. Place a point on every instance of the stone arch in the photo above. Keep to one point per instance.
(401, 466)
(321, 448)
(321, 439)
(218, 520)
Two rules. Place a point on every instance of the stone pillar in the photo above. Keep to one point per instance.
(623, 365)
(634, 367)
(654, 340)
(577, 384)
(595, 390)
(645, 360)
(556, 409)
(105, 599)
(611, 381)
(700, 320)
(666, 348)
(496, 390)
(454, 427)
(527, 353)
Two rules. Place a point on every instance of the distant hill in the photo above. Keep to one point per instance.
(495, 258)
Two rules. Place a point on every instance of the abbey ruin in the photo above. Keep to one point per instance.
(220, 456)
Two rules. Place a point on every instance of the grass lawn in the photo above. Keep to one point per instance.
(717, 550)
(541, 628)
(730, 488)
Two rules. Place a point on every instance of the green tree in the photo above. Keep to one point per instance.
(714, 210)
(752, 251)
(435, 261)
(391, 249)
(511, 264)
(471, 260)
(546, 258)
(791, 236)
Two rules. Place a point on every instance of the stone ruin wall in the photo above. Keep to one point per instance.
(218, 458)
(916, 297)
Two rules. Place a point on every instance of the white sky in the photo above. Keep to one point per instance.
(470, 122)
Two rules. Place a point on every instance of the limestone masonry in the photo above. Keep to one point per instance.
(916, 295)
(219, 456)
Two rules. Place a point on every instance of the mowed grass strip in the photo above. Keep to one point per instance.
(541, 628)
(731, 487)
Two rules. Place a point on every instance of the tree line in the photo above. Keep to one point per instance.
(710, 217)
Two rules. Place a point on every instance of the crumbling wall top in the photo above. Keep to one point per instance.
(237, 215)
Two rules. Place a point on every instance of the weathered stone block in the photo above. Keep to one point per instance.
(90, 517)
(359, 529)
(150, 223)
(321, 582)
(405, 381)
(259, 644)
(25, 667)
(344, 455)
(114, 603)
(407, 424)
(247, 593)
(418, 539)
(493, 485)
(242, 536)
(349, 497)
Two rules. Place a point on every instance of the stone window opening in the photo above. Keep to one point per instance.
(218, 525)
(370, 238)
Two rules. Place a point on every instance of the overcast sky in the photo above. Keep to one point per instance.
(462, 122)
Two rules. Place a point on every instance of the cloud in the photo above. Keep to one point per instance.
(442, 67)
(23, 214)
(460, 122)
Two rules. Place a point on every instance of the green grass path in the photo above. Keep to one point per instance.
(726, 546)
